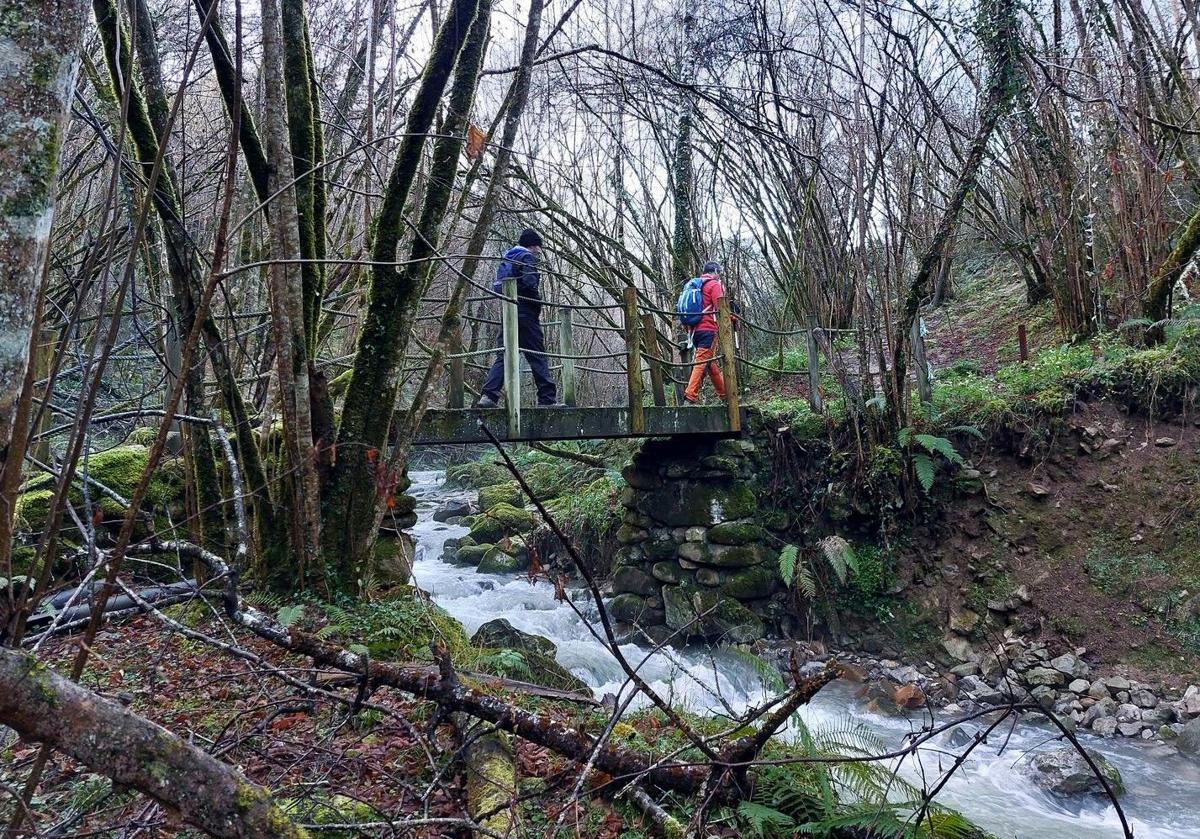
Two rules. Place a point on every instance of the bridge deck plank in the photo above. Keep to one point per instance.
(462, 426)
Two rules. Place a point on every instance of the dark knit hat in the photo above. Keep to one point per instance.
(711, 267)
(530, 238)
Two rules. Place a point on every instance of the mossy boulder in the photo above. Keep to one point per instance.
(500, 633)
(529, 666)
(735, 533)
(752, 583)
(498, 522)
(498, 561)
(471, 554)
(119, 469)
(553, 479)
(708, 613)
(667, 572)
(633, 608)
(399, 628)
(685, 503)
(508, 492)
(476, 474)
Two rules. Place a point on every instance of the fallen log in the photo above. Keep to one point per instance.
(44, 707)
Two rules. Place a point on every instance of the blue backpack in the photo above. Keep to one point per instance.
(509, 267)
(691, 302)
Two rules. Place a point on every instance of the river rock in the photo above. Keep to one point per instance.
(1116, 684)
(501, 633)
(498, 561)
(958, 648)
(1143, 698)
(1079, 686)
(1103, 709)
(704, 612)
(1127, 712)
(1130, 729)
(1045, 676)
(1098, 690)
(667, 572)
(452, 508)
(633, 608)
(1070, 665)
(1065, 772)
(1105, 727)
(633, 580)
(508, 492)
(1190, 704)
(963, 620)
(1188, 741)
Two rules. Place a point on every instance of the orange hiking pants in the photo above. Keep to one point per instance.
(704, 360)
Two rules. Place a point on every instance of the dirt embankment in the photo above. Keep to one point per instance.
(1087, 536)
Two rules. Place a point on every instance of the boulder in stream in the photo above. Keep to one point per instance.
(1188, 741)
(452, 508)
(1065, 772)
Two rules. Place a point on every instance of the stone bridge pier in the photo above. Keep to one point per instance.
(699, 555)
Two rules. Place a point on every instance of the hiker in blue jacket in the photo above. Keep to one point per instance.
(521, 262)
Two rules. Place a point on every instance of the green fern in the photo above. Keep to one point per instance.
(787, 564)
(763, 821)
(923, 466)
(288, 615)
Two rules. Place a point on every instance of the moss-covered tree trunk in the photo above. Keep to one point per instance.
(39, 59)
(183, 263)
(360, 485)
(1158, 296)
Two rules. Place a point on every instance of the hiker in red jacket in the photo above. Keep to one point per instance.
(704, 336)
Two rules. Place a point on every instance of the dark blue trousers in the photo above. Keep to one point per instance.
(533, 347)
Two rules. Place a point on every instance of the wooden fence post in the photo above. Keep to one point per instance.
(512, 358)
(653, 354)
(566, 347)
(456, 399)
(1023, 341)
(924, 389)
(725, 339)
(633, 349)
(814, 368)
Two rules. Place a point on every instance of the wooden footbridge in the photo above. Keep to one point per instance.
(640, 353)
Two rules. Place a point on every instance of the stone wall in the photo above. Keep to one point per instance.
(699, 551)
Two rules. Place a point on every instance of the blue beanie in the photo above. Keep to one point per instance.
(711, 267)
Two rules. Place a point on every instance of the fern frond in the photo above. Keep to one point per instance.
(923, 465)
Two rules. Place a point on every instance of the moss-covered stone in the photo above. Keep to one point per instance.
(472, 554)
(684, 503)
(497, 561)
(500, 633)
(667, 572)
(752, 583)
(477, 474)
(491, 777)
(633, 608)
(634, 580)
(118, 469)
(498, 522)
(698, 611)
(735, 533)
(627, 534)
(508, 492)
(723, 556)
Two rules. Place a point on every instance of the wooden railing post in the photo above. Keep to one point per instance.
(456, 399)
(653, 354)
(921, 363)
(566, 347)
(729, 354)
(512, 358)
(633, 350)
(814, 368)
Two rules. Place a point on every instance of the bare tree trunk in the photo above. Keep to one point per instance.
(287, 304)
(47, 708)
(39, 57)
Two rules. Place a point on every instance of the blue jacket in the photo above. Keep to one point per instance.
(520, 262)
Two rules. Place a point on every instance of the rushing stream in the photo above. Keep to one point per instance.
(1163, 788)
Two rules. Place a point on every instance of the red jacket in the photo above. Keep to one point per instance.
(709, 295)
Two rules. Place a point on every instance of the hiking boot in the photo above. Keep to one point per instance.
(554, 404)
(486, 401)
